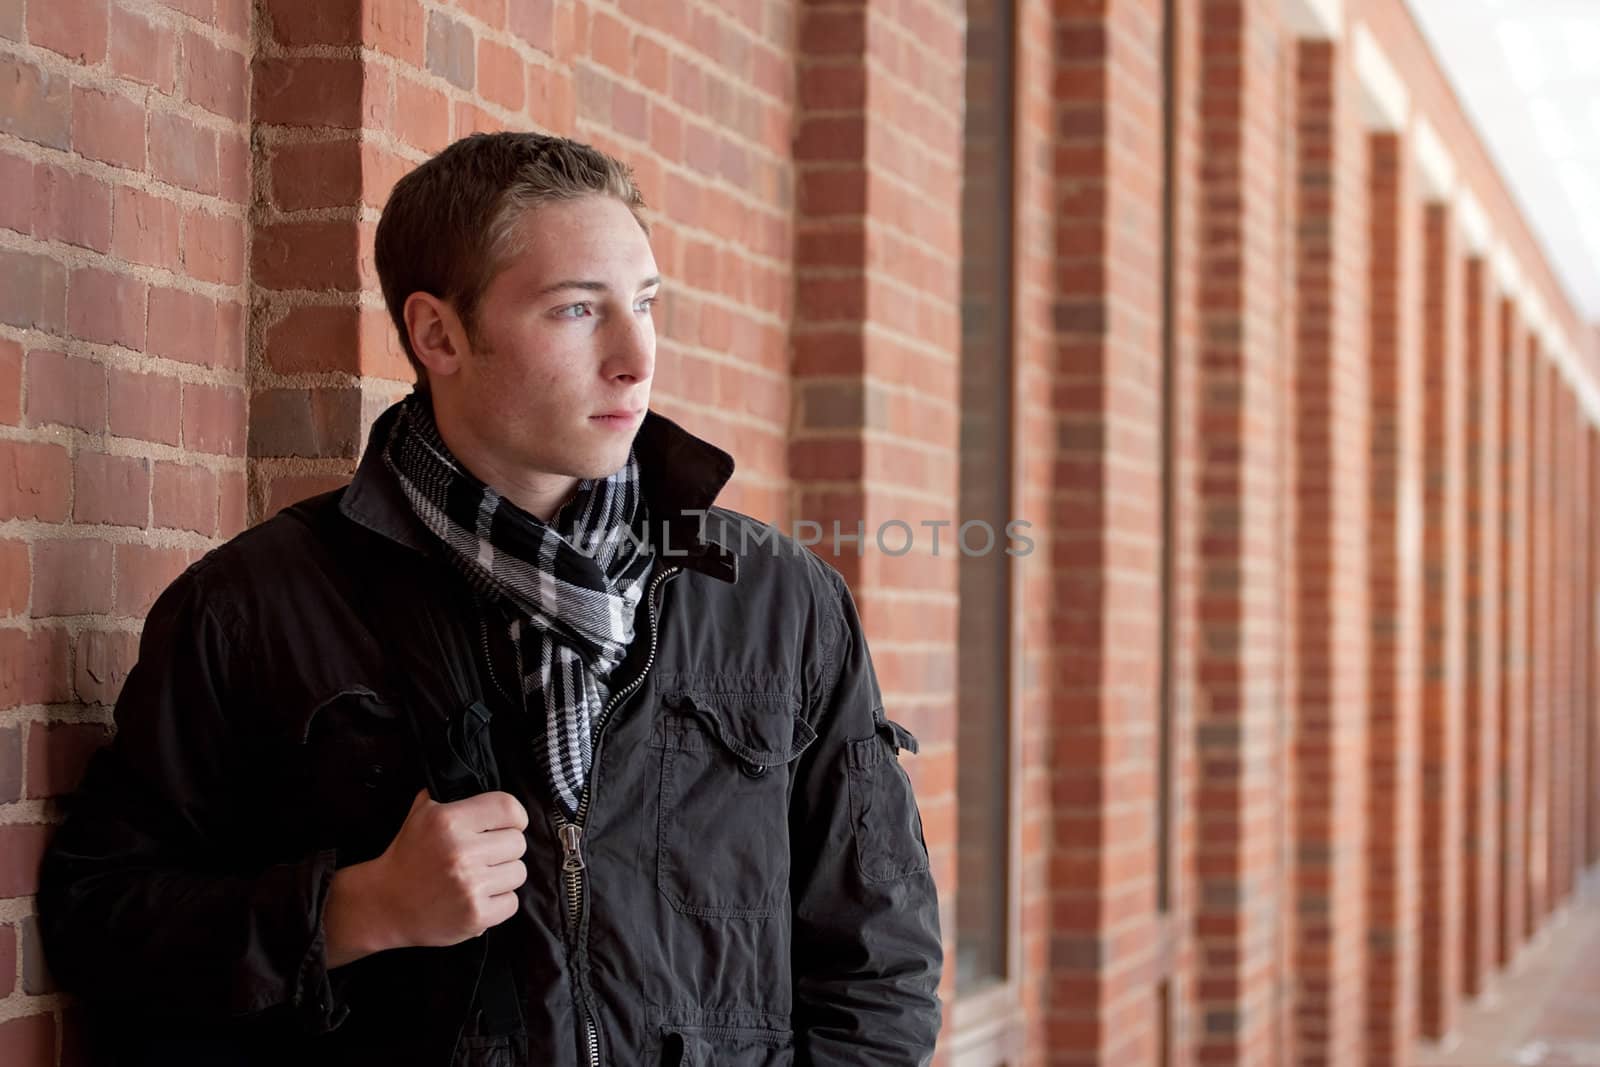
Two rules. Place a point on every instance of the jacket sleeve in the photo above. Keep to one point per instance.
(867, 952)
(147, 902)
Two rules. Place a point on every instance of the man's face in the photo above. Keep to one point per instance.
(564, 335)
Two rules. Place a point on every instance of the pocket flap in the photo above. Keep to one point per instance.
(760, 728)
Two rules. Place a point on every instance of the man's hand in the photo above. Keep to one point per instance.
(450, 873)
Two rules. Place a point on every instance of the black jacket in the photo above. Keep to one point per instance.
(755, 888)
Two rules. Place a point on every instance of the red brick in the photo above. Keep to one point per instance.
(232, 504)
(35, 481)
(213, 248)
(184, 498)
(491, 13)
(183, 153)
(234, 162)
(191, 328)
(534, 22)
(213, 419)
(16, 577)
(308, 91)
(449, 50)
(65, 390)
(380, 171)
(319, 174)
(58, 753)
(102, 664)
(215, 77)
(610, 43)
(70, 207)
(108, 127)
(289, 489)
(106, 307)
(35, 105)
(142, 573)
(382, 355)
(551, 100)
(111, 489)
(33, 291)
(422, 115)
(312, 338)
(145, 407)
(396, 28)
(71, 577)
(33, 667)
(651, 65)
(8, 942)
(306, 255)
(11, 29)
(500, 75)
(10, 782)
(16, 208)
(75, 28)
(30, 1039)
(10, 382)
(145, 229)
(297, 23)
(143, 51)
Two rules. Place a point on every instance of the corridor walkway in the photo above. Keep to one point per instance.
(1546, 1011)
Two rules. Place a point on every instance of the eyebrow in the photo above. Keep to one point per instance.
(591, 286)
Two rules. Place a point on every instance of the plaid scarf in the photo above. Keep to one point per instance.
(575, 581)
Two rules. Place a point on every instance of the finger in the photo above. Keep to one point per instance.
(493, 811)
(495, 846)
(504, 878)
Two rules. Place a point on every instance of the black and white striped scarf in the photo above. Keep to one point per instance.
(575, 581)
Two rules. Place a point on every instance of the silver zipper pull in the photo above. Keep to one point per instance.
(571, 840)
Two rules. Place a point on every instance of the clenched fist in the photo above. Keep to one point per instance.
(449, 874)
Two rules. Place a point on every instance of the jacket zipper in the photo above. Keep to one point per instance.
(571, 833)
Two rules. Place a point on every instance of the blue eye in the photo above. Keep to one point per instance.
(646, 304)
(573, 311)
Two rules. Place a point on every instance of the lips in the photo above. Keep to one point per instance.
(620, 413)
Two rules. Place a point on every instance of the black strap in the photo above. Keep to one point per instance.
(431, 669)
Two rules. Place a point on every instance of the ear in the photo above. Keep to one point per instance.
(437, 335)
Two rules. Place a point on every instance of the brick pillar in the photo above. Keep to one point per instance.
(876, 337)
(1394, 585)
(1442, 743)
(1560, 691)
(1105, 616)
(1580, 658)
(1515, 520)
(1538, 775)
(1240, 744)
(1330, 425)
(1591, 795)
(1481, 831)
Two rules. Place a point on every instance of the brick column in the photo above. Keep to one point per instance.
(1394, 586)
(1330, 426)
(1581, 659)
(1442, 743)
(1538, 775)
(1105, 615)
(1240, 744)
(1515, 520)
(1560, 692)
(1481, 830)
(876, 338)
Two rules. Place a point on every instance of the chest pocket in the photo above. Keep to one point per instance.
(727, 763)
(355, 769)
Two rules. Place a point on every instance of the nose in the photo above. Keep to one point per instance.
(631, 348)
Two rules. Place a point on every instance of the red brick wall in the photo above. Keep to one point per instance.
(1379, 562)
(123, 134)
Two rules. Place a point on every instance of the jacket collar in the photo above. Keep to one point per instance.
(680, 475)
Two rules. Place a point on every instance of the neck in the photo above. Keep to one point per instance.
(539, 493)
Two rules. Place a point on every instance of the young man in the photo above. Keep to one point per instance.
(516, 750)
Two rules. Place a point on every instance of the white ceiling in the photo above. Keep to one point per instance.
(1528, 73)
